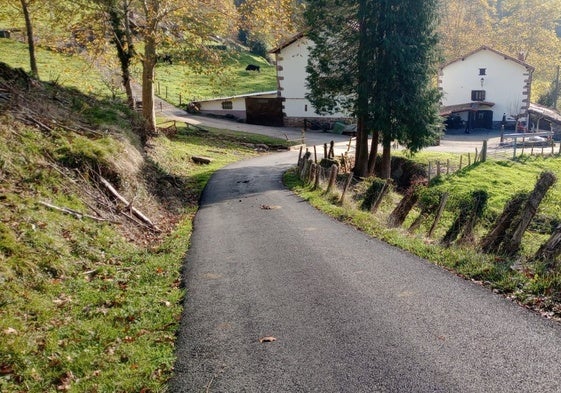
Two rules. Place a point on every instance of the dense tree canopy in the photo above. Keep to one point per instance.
(97, 28)
(374, 60)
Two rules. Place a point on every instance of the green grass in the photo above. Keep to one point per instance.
(81, 306)
(90, 306)
(66, 70)
(229, 80)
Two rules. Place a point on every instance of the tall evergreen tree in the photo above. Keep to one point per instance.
(405, 98)
(375, 60)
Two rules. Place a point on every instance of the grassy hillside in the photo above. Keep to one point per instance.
(90, 295)
(229, 79)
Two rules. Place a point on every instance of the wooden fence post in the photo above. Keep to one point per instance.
(346, 187)
(511, 245)
(399, 214)
(441, 206)
(318, 176)
(550, 250)
(461, 159)
(332, 177)
(311, 171)
(305, 169)
(484, 152)
(430, 172)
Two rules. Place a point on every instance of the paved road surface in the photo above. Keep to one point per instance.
(350, 313)
(455, 141)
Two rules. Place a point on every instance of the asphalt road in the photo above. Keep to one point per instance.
(349, 313)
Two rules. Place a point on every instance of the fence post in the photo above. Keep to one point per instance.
(318, 169)
(332, 177)
(437, 168)
(484, 152)
(447, 166)
(430, 171)
(441, 206)
(347, 185)
(461, 159)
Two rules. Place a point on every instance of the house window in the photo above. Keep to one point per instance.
(478, 95)
(483, 71)
(227, 105)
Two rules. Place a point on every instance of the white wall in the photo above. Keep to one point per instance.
(504, 82)
(238, 105)
(291, 64)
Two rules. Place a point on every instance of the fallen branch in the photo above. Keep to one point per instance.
(137, 213)
(27, 119)
(71, 212)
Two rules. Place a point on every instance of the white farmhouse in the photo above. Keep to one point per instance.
(291, 59)
(484, 85)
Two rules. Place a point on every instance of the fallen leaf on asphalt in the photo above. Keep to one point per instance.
(267, 339)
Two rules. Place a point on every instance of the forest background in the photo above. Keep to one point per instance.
(528, 28)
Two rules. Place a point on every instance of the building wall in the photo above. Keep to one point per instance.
(238, 110)
(291, 64)
(506, 83)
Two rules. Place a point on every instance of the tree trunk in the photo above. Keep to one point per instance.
(124, 45)
(373, 153)
(361, 155)
(386, 169)
(148, 65)
(30, 40)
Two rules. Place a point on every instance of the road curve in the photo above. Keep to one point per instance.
(349, 313)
